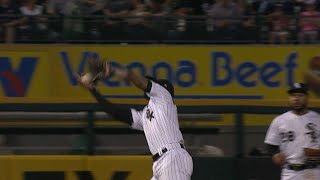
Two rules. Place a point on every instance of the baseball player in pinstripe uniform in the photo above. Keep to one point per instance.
(158, 120)
(294, 132)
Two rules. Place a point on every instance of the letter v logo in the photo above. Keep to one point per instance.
(15, 83)
(67, 63)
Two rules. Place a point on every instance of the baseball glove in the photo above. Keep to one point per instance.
(312, 154)
(97, 68)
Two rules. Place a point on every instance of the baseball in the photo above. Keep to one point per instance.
(87, 78)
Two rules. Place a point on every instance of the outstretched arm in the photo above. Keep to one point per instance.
(121, 114)
(139, 81)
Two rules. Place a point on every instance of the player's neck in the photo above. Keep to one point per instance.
(301, 112)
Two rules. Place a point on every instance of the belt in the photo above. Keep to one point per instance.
(164, 150)
(306, 165)
(297, 167)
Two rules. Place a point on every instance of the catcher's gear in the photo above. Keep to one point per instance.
(97, 68)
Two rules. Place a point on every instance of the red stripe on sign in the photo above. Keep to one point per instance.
(16, 83)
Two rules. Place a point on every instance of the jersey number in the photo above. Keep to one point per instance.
(287, 136)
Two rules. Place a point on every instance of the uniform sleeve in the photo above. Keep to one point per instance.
(159, 93)
(273, 134)
(137, 120)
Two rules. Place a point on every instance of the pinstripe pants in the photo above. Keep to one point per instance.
(307, 174)
(176, 164)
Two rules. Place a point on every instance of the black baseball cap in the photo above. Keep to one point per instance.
(298, 88)
(164, 83)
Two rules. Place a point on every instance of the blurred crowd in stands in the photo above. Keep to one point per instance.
(160, 21)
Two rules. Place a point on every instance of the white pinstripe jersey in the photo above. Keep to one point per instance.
(293, 133)
(158, 120)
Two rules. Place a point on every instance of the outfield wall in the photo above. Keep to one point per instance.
(128, 168)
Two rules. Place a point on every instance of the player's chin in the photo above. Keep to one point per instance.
(297, 108)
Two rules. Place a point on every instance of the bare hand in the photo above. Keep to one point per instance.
(85, 81)
(279, 159)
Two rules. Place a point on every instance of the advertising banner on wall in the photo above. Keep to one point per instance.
(75, 167)
(197, 72)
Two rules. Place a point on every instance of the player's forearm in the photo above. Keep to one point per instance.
(139, 81)
(272, 149)
(118, 113)
(277, 157)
